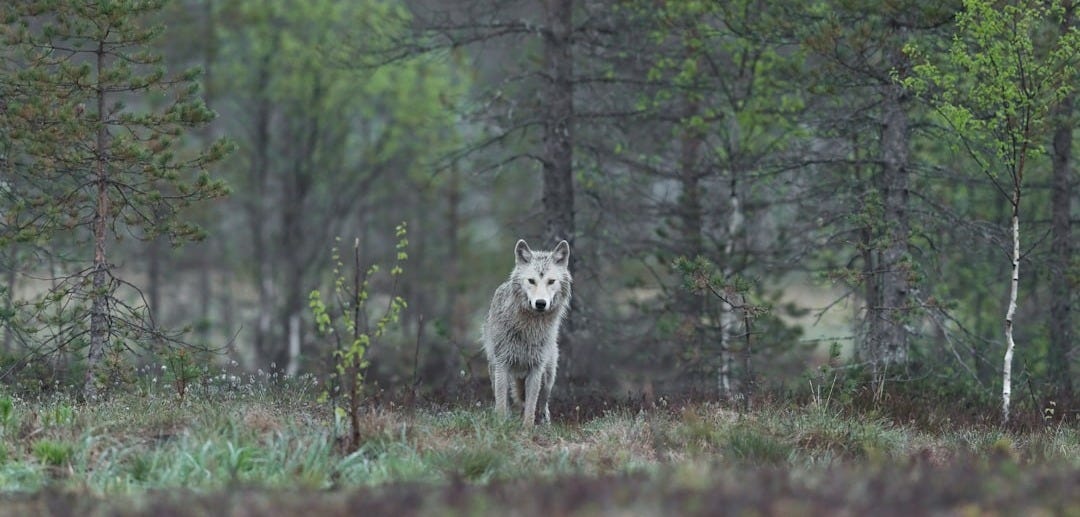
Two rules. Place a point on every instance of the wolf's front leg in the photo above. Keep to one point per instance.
(500, 378)
(532, 392)
(545, 393)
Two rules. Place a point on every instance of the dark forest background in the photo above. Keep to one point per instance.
(760, 196)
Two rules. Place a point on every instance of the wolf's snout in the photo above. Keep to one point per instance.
(541, 305)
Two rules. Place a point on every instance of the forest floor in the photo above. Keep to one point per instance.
(265, 447)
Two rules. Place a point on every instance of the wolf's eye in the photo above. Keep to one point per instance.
(532, 281)
(551, 281)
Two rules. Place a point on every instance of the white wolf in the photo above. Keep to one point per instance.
(522, 327)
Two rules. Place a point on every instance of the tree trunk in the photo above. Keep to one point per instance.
(153, 289)
(206, 297)
(558, 188)
(690, 306)
(1061, 339)
(9, 283)
(892, 341)
(1010, 313)
(457, 315)
(870, 325)
(297, 186)
(281, 355)
(886, 269)
(293, 363)
(99, 308)
(258, 213)
(728, 318)
(206, 286)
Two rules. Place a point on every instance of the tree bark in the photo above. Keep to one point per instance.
(1061, 339)
(292, 365)
(1010, 313)
(892, 342)
(206, 286)
(153, 289)
(558, 188)
(257, 212)
(9, 282)
(690, 306)
(297, 187)
(870, 328)
(457, 315)
(99, 305)
(728, 318)
(295, 192)
(885, 266)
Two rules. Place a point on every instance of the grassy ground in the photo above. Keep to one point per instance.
(264, 447)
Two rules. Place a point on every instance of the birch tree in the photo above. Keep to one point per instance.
(997, 85)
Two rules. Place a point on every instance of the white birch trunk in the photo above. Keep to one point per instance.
(294, 346)
(723, 374)
(1006, 373)
(728, 318)
(727, 322)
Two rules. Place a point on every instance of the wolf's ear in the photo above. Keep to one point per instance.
(522, 253)
(561, 253)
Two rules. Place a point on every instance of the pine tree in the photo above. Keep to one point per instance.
(96, 129)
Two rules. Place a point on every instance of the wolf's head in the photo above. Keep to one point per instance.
(543, 276)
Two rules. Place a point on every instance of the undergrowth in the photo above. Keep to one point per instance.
(268, 433)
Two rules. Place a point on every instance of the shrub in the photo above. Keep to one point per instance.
(346, 324)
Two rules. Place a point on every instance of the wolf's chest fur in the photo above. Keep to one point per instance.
(523, 339)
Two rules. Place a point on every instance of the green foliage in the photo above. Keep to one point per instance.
(98, 127)
(998, 81)
(748, 445)
(827, 434)
(59, 415)
(140, 468)
(474, 464)
(8, 425)
(749, 105)
(1007, 69)
(702, 277)
(268, 437)
(7, 412)
(347, 323)
(183, 369)
(53, 452)
(735, 292)
(154, 177)
(314, 65)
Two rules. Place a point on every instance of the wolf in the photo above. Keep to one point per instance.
(522, 326)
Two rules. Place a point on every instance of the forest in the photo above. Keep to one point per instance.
(250, 244)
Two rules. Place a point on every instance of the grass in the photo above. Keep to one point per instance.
(266, 444)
